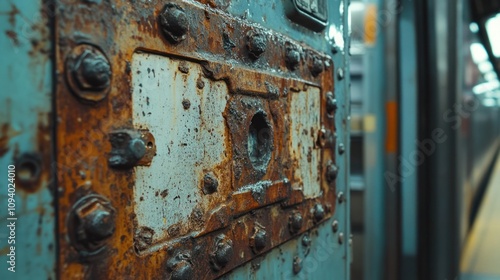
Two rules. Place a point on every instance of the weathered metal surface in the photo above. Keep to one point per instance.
(26, 140)
(241, 170)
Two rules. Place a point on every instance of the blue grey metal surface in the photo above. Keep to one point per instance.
(408, 136)
(25, 106)
(326, 258)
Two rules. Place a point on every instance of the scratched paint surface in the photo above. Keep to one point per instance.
(304, 148)
(190, 134)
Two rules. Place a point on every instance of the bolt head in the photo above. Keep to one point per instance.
(180, 267)
(258, 240)
(341, 148)
(331, 104)
(222, 253)
(297, 265)
(210, 183)
(93, 221)
(292, 58)
(174, 22)
(256, 44)
(340, 197)
(317, 66)
(341, 238)
(340, 73)
(335, 226)
(295, 222)
(318, 212)
(331, 172)
(88, 73)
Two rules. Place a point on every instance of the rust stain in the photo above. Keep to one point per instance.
(13, 37)
(4, 139)
(262, 85)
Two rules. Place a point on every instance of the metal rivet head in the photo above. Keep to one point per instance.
(223, 251)
(318, 212)
(256, 44)
(340, 73)
(306, 241)
(295, 222)
(340, 197)
(331, 172)
(258, 240)
(317, 66)
(331, 104)
(210, 183)
(341, 148)
(341, 238)
(335, 226)
(292, 57)
(93, 222)
(88, 73)
(297, 265)
(174, 23)
(180, 267)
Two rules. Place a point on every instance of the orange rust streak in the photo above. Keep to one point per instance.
(391, 140)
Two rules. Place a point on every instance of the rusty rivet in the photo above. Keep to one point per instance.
(258, 240)
(317, 66)
(88, 73)
(335, 226)
(222, 253)
(295, 222)
(306, 241)
(127, 148)
(340, 73)
(180, 267)
(297, 265)
(292, 57)
(340, 197)
(210, 183)
(341, 148)
(93, 222)
(331, 103)
(341, 238)
(186, 103)
(318, 212)
(174, 22)
(256, 44)
(331, 172)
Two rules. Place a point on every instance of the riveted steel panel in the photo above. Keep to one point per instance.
(203, 139)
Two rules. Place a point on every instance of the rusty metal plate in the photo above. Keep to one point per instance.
(203, 140)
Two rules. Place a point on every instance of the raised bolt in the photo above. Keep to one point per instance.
(180, 267)
(331, 172)
(174, 22)
(94, 222)
(92, 71)
(340, 73)
(256, 44)
(295, 222)
(259, 239)
(335, 226)
(306, 241)
(340, 197)
(318, 212)
(297, 265)
(317, 66)
(292, 57)
(127, 148)
(331, 103)
(341, 148)
(222, 253)
(210, 183)
(341, 238)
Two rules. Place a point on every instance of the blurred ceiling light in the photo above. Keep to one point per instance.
(478, 53)
(492, 27)
(474, 28)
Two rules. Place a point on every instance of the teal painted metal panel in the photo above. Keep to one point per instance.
(25, 106)
(326, 258)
